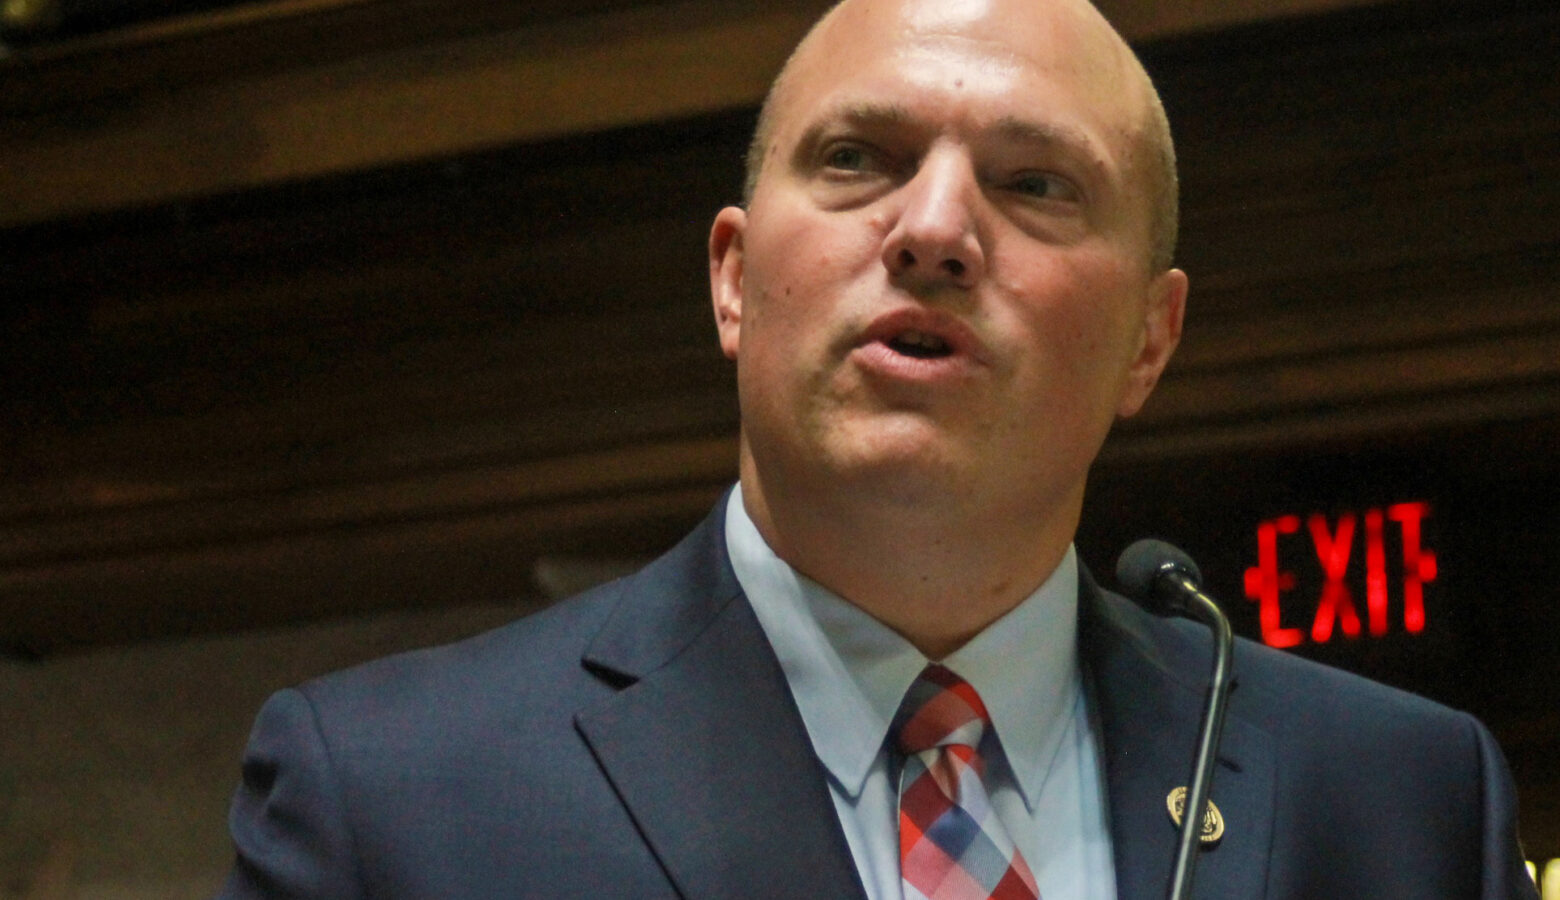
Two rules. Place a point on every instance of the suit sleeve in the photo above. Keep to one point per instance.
(1505, 874)
(289, 821)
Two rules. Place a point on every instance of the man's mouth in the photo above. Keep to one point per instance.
(920, 345)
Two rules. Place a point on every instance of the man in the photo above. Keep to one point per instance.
(952, 274)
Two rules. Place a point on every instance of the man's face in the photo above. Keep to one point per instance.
(942, 281)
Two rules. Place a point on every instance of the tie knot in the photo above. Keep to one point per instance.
(939, 709)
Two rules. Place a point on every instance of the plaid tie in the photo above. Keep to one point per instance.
(951, 846)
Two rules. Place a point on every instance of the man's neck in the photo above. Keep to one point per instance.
(937, 574)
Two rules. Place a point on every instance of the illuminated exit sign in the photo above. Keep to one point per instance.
(1340, 546)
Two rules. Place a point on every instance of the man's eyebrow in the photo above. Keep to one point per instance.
(1050, 134)
(871, 112)
(864, 114)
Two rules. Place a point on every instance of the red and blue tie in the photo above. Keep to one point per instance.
(951, 846)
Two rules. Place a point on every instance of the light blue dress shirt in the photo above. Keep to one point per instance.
(848, 673)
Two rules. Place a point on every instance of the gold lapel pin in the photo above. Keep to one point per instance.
(1213, 821)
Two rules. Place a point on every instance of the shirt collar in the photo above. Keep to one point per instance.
(848, 672)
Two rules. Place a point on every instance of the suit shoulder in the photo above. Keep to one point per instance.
(1327, 718)
(1280, 690)
(510, 661)
(1304, 686)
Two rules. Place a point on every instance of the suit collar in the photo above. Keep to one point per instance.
(1147, 683)
(703, 729)
(849, 672)
(666, 606)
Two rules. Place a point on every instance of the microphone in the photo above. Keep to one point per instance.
(1160, 576)
(1166, 582)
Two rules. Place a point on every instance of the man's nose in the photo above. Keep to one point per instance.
(935, 240)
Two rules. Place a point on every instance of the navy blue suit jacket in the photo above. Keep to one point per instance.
(640, 741)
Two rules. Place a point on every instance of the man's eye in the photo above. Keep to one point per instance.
(1044, 186)
(850, 159)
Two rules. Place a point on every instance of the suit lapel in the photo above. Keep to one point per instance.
(705, 747)
(1147, 680)
(704, 744)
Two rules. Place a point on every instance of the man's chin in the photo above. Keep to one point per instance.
(909, 463)
(886, 456)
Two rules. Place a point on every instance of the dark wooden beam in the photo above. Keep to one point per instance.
(269, 93)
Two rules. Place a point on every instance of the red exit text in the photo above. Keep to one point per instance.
(1334, 544)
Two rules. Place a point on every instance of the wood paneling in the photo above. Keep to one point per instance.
(400, 386)
(1368, 223)
(562, 77)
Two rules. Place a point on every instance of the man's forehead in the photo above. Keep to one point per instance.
(936, 41)
(1044, 30)
(1053, 88)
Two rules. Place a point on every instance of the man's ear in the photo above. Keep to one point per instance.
(726, 276)
(1161, 333)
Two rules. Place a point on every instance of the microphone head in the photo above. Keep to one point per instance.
(1141, 565)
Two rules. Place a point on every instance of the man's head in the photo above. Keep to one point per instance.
(952, 272)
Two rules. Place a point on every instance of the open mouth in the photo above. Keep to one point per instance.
(920, 345)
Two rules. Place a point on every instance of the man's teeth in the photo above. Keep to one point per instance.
(924, 340)
(920, 344)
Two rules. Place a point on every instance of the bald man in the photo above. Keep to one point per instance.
(878, 670)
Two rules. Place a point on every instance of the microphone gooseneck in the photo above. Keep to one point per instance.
(1166, 581)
